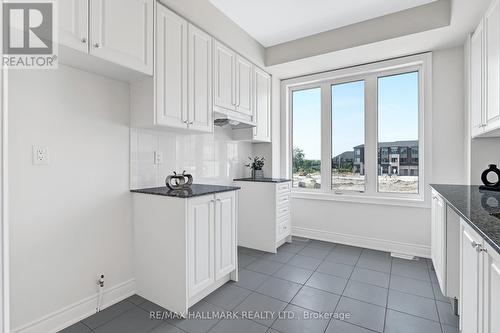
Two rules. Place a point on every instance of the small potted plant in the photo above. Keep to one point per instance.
(256, 164)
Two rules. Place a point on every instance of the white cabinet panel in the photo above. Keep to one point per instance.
(492, 49)
(470, 279)
(224, 77)
(122, 32)
(200, 240)
(491, 291)
(262, 106)
(438, 240)
(225, 234)
(199, 80)
(477, 83)
(73, 24)
(171, 69)
(244, 89)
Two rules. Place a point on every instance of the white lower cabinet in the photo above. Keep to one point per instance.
(479, 283)
(184, 248)
(264, 215)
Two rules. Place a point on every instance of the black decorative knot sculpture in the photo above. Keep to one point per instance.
(487, 184)
(178, 182)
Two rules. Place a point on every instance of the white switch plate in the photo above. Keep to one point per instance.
(40, 155)
(158, 156)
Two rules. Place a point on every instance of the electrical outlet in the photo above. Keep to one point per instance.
(40, 155)
(158, 156)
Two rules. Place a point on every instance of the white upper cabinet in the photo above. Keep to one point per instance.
(121, 31)
(477, 84)
(262, 105)
(224, 77)
(73, 24)
(199, 80)
(244, 88)
(171, 69)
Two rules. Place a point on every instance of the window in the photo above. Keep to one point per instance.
(398, 126)
(348, 132)
(306, 106)
(359, 131)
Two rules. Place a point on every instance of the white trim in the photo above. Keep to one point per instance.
(407, 249)
(79, 310)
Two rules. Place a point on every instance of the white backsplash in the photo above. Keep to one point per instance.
(210, 158)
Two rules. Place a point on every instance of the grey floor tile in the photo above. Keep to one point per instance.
(108, 314)
(228, 296)
(362, 314)
(261, 308)
(293, 247)
(334, 268)
(371, 277)
(375, 264)
(314, 252)
(326, 282)
(432, 273)
(265, 266)
(315, 300)
(450, 329)
(242, 249)
(409, 268)
(411, 286)
(438, 295)
(305, 262)
(397, 322)
(375, 254)
(166, 328)
(340, 326)
(281, 256)
(272, 331)
(244, 260)
(136, 299)
(342, 257)
(76, 328)
(322, 245)
(293, 274)
(414, 305)
(446, 315)
(150, 306)
(300, 322)
(193, 324)
(238, 325)
(134, 321)
(366, 292)
(280, 289)
(250, 279)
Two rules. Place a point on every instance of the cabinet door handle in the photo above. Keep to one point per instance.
(474, 244)
(84, 40)
(191, 123)
(97, 45)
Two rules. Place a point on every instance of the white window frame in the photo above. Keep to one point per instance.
(421, 63)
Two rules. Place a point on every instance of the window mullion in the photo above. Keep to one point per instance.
(326, 137)
(371, 134)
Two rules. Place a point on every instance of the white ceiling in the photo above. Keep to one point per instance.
(273, 22)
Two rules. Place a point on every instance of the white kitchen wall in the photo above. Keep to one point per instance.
(211, 158)
(70, 220)
(402, 229)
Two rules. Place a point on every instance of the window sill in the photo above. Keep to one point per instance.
(362, 199)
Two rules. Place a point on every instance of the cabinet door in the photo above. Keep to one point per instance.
(199, 80)
(73, 24)
(122, 32)
(171, 69)
(438, 239)
(476, 81)
(244, 95)
(470, 279)
(224, 77)
(200, 244)
(225, 234)
(492, 47)
(491, 290)
(262, 106)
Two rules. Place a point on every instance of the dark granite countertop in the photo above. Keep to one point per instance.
(263, 180)
(195, 190)
(475, 207)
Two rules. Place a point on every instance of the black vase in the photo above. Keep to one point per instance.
(484, 178)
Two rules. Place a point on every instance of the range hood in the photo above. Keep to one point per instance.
(228, 121)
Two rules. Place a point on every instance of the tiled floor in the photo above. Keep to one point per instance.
(304, 281)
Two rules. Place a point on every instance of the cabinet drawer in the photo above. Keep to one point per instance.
(282, 210)
(283, 227)
(283, 187)
(282, 199)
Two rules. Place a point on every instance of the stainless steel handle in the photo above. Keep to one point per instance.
(191, 123)
(186, 122)
(219, 200)
(84, 40)
(474, 244)
(96, 45)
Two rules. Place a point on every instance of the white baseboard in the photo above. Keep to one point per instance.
(77, 311)
(366, 242)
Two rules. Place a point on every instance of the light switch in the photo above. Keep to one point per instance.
(40, 155)
(158, 156)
